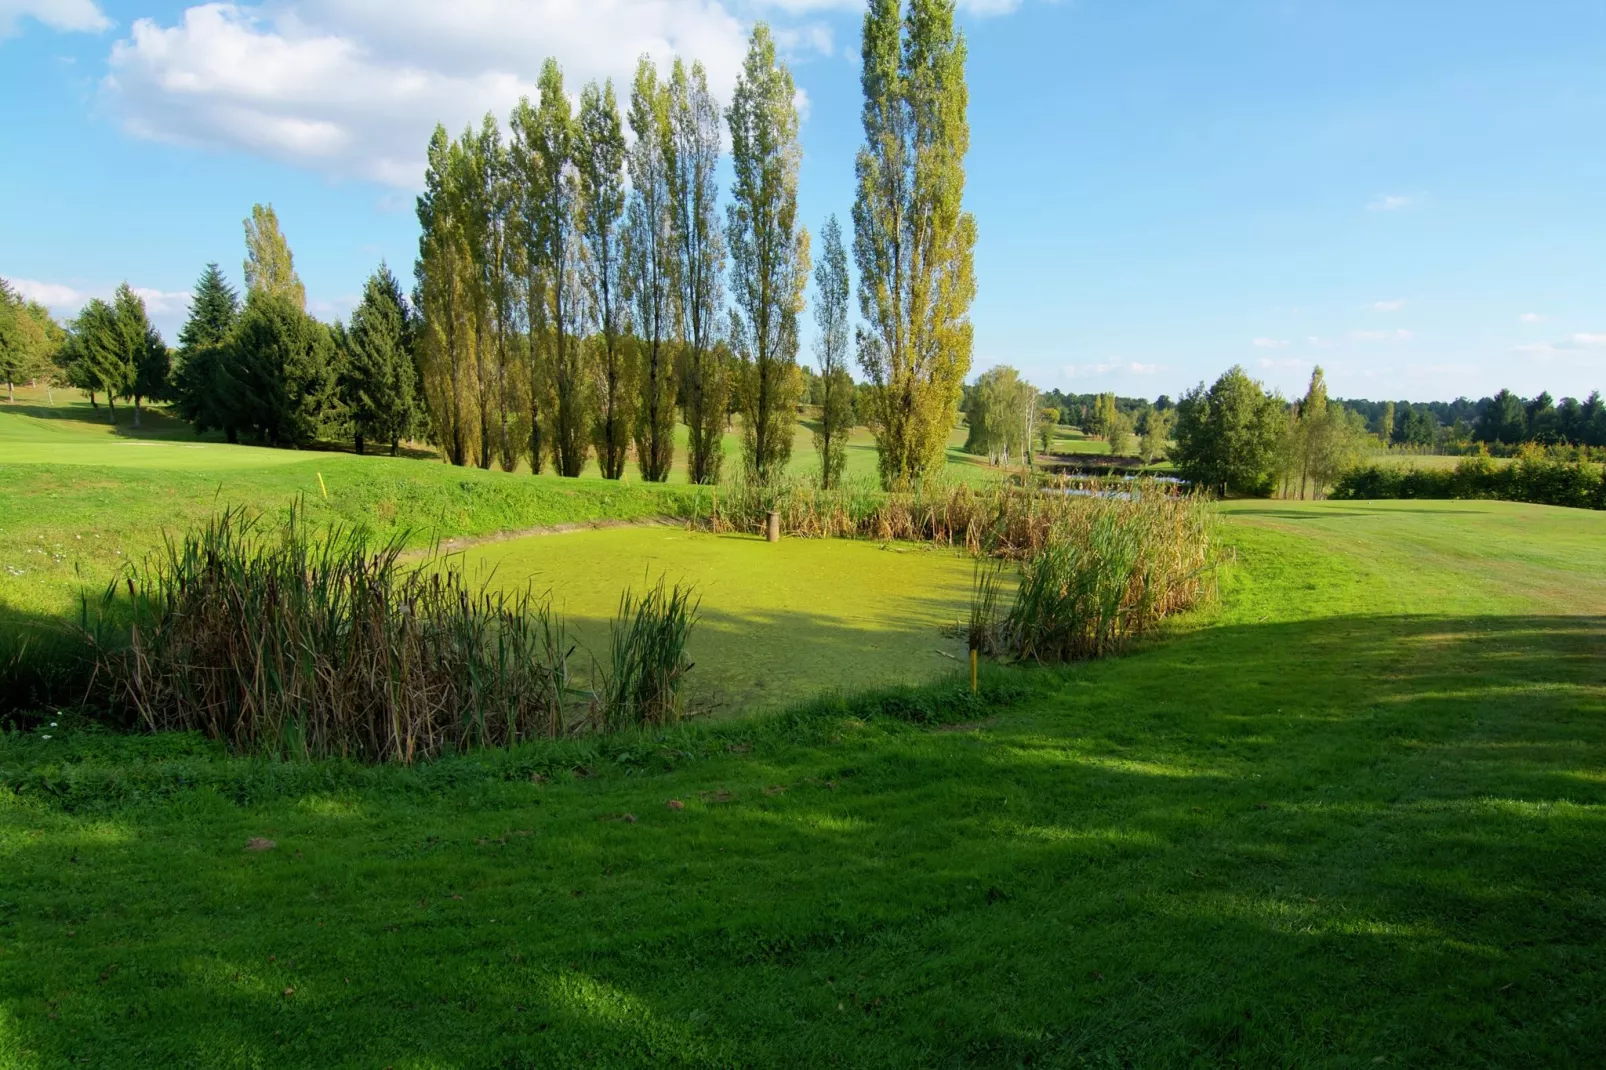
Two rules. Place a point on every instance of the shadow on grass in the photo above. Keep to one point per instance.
(1321, 842)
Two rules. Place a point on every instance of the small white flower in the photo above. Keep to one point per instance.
(45, 736)
(52, 724)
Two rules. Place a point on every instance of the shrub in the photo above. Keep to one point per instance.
(1538, 476)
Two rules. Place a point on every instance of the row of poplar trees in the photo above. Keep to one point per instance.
(572, 284)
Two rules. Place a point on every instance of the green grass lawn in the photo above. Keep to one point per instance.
(1355, 815)
(778, 624)
(78, 496)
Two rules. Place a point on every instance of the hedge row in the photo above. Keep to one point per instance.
(1531, 478)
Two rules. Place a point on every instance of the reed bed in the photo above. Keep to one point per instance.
(1106, 572)
(283, 642)
(997, 520)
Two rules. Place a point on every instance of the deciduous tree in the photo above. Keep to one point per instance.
(912, 239)
(835, 386)
(269, 266)
(600, 158)
(651, 266)
(699, 260)
(769, 254)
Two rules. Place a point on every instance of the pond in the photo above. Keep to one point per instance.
(779, 622)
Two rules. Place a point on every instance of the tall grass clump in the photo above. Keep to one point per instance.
(647, 664)
(1105, 573)
(282, 642)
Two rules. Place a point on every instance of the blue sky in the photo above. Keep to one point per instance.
(1412, 194)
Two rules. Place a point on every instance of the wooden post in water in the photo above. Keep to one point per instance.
(772, 526)
(972, 670)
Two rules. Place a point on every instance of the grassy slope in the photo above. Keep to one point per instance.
(77, 495)
(1354, 817)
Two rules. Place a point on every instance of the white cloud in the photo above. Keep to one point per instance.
(352, 88)
(1535, 349)
(1531, 317)
(1392, 202)
(1400, 335)
(1387, 306)
(1590, 341)
(1285, 362)
(53, 295)
(1114, 367)
(80, 16)
(1270, 343)
(165, 306)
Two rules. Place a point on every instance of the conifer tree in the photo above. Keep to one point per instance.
(835, 388)
(199, 379)
(699, 257)
(102, 354)
(147, 353)
(283, 362)
(269, 267)
(600, 158)
(377, 376)
(769, 253)
(913, 240)
(651, 267)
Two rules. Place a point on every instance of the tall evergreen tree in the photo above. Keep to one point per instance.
(269, 267)
(769, 253)
(377, 375)
(913, 240)
(147, 353)
(831, 291)
(699, 252)
(651, 267)
(283, 363)
(102, 356)
(600, 157)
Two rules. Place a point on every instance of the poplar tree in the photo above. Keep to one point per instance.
(769, 253)
(913, 241)
(441, 270)
(831, 291)
(651, 268)
(600, 158)
(699, 258)
(269, 267)
(555, 197)
(377, 376)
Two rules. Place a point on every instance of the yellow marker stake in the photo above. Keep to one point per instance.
(972, 670)
(321, 486)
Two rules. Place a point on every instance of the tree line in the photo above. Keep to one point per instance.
(1503, 420)
(578, 293)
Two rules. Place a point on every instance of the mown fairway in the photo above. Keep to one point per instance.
(1352, 817)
